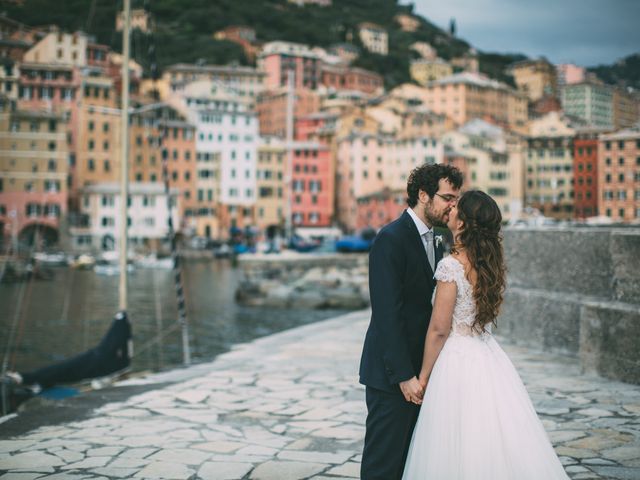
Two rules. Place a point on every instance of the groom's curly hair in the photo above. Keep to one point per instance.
(426, 178)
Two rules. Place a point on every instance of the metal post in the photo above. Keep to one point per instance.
(124, 158)
(289, 165)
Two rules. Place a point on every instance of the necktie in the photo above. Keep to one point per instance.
(428, 236)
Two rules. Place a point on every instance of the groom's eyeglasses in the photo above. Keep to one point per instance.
(448, 198)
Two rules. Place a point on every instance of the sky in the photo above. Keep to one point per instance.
(585, 32)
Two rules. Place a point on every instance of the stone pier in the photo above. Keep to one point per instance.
(289, 407)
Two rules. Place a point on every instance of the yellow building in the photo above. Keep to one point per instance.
(425, 71)
(59, 48)
(626, 108)
(271, 174)
(536, 78)
(549, 166)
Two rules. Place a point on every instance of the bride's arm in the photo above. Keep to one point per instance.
(439, 327)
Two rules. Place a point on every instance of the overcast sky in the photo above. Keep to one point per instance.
(586, 32)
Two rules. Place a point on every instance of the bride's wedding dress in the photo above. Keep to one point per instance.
(476, 421)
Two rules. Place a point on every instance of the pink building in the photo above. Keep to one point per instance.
(312, 127)
(368, 164)
(33, 185)
(278, 58)
(568, 74)
(380, 208)
(312, 185)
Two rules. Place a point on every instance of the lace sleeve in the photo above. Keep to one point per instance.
(447, 270)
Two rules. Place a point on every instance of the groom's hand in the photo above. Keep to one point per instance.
(412, 390)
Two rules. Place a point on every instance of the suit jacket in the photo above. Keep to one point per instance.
(401, 286)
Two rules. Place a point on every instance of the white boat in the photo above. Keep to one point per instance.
(107, 268)
(58, 258)
(152, 261)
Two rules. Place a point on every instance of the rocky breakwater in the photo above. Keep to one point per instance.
(291, 280)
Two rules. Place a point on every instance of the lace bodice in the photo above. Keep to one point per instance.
(451, 270)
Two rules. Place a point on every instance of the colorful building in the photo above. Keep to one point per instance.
(492, 160)
(585, 172)
(148, 215)
(549, 166)
(619, 175)
(591, 102)
(277, 59)
(33, 173)
(58, 47)
(465, 96)
(226, 150)
(369, 163)
(272, 109)
(312, 185)
(246, 82)
(425, 71)
(536, 78)
(350, 78)
(374, 38)
(271, 183)
(380, 208)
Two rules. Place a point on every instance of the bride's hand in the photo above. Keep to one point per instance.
(424, 380)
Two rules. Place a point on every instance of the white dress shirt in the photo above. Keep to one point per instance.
(423, 230)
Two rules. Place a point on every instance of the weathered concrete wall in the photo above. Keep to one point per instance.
(576, 291)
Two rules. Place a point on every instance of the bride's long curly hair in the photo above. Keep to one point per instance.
(481, 240)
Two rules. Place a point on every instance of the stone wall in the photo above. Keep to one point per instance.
(576, 291)
(571, 291)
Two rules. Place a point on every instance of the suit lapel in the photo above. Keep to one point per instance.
(417, 241)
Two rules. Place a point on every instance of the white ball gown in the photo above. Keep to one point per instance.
(477, 421)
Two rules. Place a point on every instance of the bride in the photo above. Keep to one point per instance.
(476, 421)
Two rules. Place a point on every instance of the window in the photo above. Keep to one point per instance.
(107, 166)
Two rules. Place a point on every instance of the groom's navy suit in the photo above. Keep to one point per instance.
(401, 285)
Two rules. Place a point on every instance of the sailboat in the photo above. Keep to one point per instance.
(114, 353)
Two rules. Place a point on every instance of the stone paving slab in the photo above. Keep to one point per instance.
(289, 406)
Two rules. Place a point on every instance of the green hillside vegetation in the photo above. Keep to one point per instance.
(624, 72)
(185, 28)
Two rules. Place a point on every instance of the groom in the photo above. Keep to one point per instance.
(401, 267)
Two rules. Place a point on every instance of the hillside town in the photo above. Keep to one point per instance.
(301, 137)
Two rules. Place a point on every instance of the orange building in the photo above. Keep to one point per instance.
(179, 148)
(465, 96)
(272, 109)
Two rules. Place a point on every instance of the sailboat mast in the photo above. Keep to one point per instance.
(124, 158)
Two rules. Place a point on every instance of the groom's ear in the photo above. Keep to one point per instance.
(423, 196)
